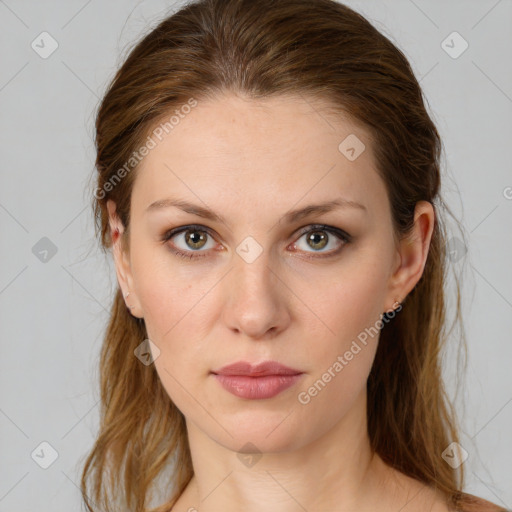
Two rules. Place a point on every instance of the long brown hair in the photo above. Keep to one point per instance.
(261, 49)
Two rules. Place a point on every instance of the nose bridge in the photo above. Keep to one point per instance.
(253, 274)
(255, 301)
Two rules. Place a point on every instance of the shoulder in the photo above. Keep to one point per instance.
(471, 503)
(428, 498)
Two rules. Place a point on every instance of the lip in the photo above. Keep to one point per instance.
(256, 382)
(256, 370)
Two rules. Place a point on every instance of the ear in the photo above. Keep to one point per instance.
(412, 254)
(122, 261)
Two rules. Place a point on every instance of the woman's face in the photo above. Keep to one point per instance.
(262, 284)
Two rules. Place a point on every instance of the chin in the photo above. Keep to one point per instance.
(264, 431)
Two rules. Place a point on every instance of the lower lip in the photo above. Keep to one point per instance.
(257, 388)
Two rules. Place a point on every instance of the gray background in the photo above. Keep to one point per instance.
(53, 312)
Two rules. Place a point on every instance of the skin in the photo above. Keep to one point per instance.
(251, 162)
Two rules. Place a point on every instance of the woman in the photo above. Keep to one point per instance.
(268, 182)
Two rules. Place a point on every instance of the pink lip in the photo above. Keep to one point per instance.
(257, 370)
(261, 381)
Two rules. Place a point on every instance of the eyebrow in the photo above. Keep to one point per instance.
(289, 217)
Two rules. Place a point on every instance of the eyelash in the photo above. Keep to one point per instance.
(342, 235)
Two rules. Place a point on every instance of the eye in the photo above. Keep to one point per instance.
(318, 237)
(191, 239)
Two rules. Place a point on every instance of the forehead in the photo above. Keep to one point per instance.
(276, 152)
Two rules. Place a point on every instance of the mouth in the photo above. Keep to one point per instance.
(256, 382)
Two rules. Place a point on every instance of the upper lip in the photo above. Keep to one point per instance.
(256, 370)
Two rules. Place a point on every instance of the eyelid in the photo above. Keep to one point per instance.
(324, 227)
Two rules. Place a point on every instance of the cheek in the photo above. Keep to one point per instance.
(342, 356)
(343, 344)
(165, 290)
(172, 306)
(348, 348)
(176, 305)
(347, 304)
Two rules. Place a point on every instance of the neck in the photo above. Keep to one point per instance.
(337, 471)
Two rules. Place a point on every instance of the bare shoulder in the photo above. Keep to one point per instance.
(417, 496)
(435, 502)
(471, 503)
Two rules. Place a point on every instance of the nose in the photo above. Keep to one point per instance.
(256, 298)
